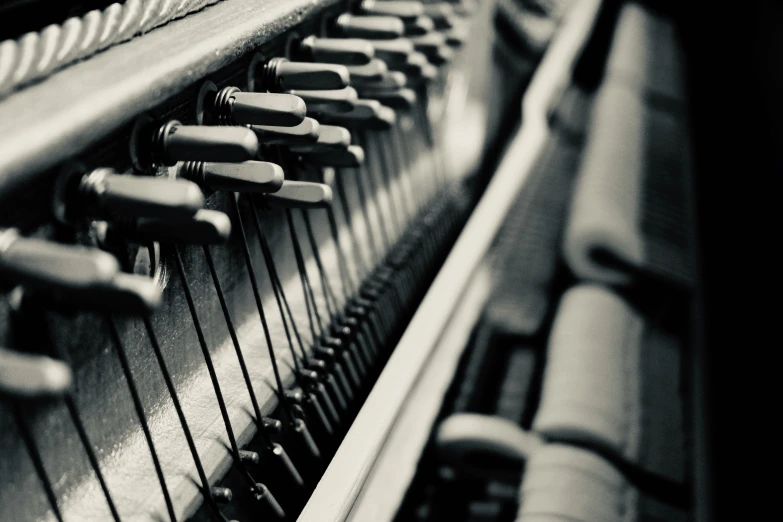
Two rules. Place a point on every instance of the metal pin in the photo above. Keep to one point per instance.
(249, 176)
(205, 227)
(441, 13)
(105, 194)
(330, 138)
(402, 9)
(370, 72)
(370, 27)
(44, 264)
(345, 51)
(300, 194)
(389, 81)
(456, 37)
(420, 26)
(272, 425)
(349, 157)
(221, 495)
(394, 52)
(433, 46)
(126, 294)
(28, 375)
(414, 66)
(399, 99)
(234, 107)
(337, 100)
(304, 133)
(176, 142)
(367, 114)
(281, 75)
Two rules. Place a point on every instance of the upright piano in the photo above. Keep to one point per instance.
(348, 261)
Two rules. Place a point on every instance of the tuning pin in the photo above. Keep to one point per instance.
(368, 114)
(399, 8)
(464, 7)
(176, 142)
(124, 294)
(304, 133)
(370, 27)
(391, 80)
(44, 264)
(441, 13)
(337, 100)
(371, 72)
(420, 26)
(433, 46)
(281, 75)
(234, 107)
(221, 495)
(300, 194)
(345, 51)
(455, 37)
(249, 457)
(26, 375)
(104, 194)
(417, 66)
(271, 425)
(206, 227)
(330, 138)
(250, 176)
(394, 52)
(403, 99)
(349, 157)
